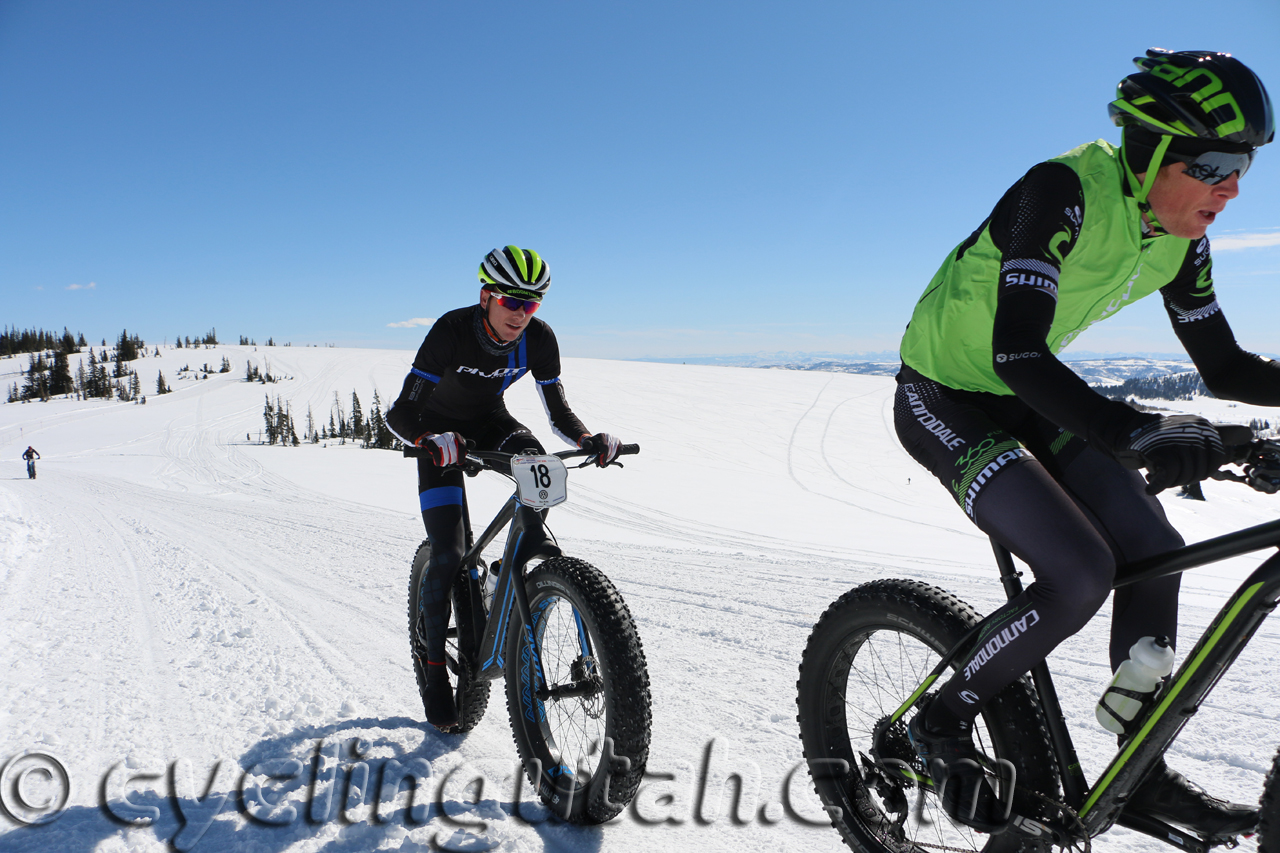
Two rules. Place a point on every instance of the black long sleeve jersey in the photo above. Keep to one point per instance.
(460, 375)
(1026, 222)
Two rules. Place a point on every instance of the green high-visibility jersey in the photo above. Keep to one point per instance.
(1104, 266)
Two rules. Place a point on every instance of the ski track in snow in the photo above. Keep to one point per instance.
(170, 591)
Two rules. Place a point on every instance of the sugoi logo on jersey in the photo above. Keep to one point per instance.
(930, 421)
(1202, 251)
(992, 647)
(496, 374)
(1014, 356)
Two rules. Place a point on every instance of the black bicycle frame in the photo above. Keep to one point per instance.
(526, 540)
(1102, 805)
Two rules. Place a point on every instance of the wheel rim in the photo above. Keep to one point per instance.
(875, 673)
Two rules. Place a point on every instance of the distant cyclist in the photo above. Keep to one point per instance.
(455, 392)
(31, 456)
(1032, 453)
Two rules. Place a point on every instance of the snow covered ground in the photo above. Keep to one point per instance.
(173, 596)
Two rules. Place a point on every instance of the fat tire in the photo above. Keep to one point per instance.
(623, 703)
(922, 622)
(471, 695)
(1269, 811)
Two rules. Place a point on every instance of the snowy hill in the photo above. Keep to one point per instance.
(172, 595)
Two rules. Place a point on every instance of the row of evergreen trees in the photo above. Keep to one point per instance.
(370, 430)
(209, 339)
(16, 342)
(1175, 386)
(50, 375)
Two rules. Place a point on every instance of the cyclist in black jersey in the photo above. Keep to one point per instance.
(30, 455)
(1030, 452)
(453, 393)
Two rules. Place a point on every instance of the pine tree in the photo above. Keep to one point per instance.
(161, 387)
(357, 418)
(342, 420)
(269, 419)
(60, 379)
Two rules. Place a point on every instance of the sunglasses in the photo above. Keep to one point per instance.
(528, 306)
(1213, 167)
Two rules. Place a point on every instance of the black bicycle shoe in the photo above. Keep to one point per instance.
(1169, 796)
(441, 710)
(958, 778)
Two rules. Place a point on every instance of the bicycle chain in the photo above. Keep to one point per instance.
(1062, 807)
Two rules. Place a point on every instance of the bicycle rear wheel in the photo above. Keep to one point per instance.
(583, 734)
(865, 657)
(461, 646)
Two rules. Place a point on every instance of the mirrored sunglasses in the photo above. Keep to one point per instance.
(511, 303)
(1213, 167)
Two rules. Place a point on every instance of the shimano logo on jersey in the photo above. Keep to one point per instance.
(1014, 356)
(930, 422)
(1197, 313)
(496, 374)
(992, 647)
(1026, 279)
(988, 471)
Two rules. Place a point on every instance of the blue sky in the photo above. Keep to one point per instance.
(703, 178)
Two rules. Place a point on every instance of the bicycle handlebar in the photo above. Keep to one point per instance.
(480, 459)
(1260, 459)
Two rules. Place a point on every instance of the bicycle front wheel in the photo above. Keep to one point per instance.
(866, 656)
(578, 693)
(1269, 819)
(461, 645)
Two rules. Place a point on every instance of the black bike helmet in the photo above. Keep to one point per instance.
(516, 272)
(1198, 93)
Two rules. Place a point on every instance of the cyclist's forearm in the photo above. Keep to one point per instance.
(1023, 361)
(564, 423)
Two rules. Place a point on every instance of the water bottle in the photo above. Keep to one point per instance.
(491, 584)
(1135, 684)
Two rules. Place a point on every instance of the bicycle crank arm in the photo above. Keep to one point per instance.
(1180, 838)
(574, 689)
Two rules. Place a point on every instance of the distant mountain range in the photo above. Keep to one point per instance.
(1094, 368)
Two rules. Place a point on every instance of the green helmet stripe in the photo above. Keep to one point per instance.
(517, 255)
(1177, 128)
(536, 269)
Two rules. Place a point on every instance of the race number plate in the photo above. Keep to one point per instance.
(540, 480)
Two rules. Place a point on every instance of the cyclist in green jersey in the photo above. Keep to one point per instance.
(1030, 452)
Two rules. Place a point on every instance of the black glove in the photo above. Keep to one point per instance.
(1176, 450)
(604, 446)
(447, 448)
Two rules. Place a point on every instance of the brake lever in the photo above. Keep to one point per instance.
(590, 460)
